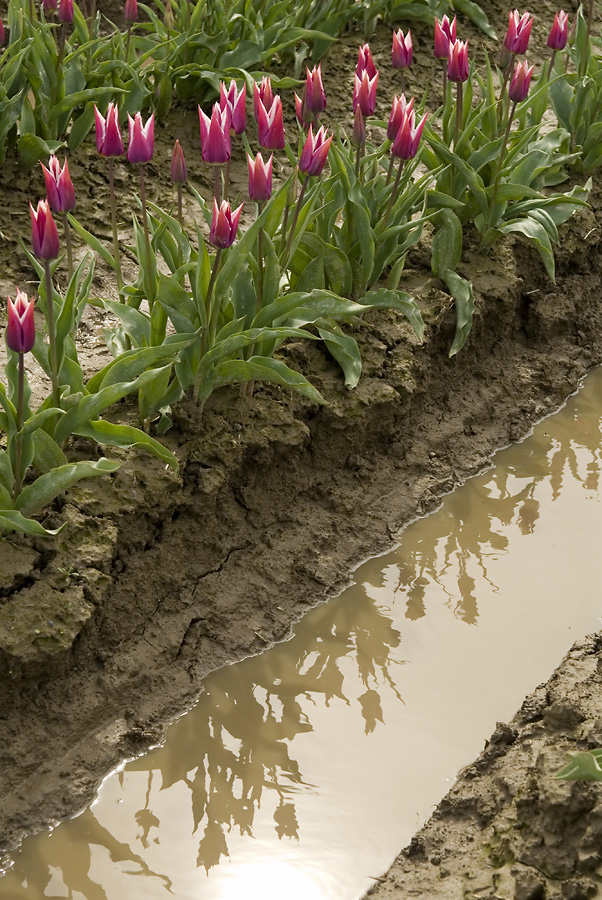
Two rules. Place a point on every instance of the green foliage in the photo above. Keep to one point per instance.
(584, 766)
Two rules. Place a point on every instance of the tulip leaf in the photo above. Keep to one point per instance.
(537, 235)
(48, 486)
(384, 298)
(13, 520)
(133, 363)
(461, 291)
(135, 323)
(32, 149)
(446, 247)
(585, 765)
(6, 471)
(92, 242)
(345, 350)
(112, 435)
(263, 368)
(47, 454)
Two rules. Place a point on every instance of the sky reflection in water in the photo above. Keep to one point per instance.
(284, 781)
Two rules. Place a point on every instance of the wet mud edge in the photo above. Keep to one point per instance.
(107, 631)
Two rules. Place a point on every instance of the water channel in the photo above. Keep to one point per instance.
(302, 772)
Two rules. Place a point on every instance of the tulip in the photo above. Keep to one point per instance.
(559, 32)
(262, 93)
(358, 135)
(142, 139)
(20, 331)
(44, 236)
(270, 126)
(314, 95)
(178, 165)
(314, 153)
(224, 224)
(304, 116)
(109, 142)
(364, 93)
(401, 52)
(65, 13)
(400, 109)
(215, 136)
(519, 31)
(260, 178)
(2, 34)
(445, 33)
(365, 63)
(457, 62)
(59, 187)
(405, 145)
(519, 86)
(234, 101)
(130, 11)
(49, 5)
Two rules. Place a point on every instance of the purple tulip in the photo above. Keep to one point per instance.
(457, 62)
(365, 63)
(519, 31)
(65, 14)
(519, 86)
(364, 93)
(178, 165)
(270, 126)
(400, 109)
(304, 116)
(405, 145)
(260, 178)
(234, 101)
(59, 187)
(130, 11)
(216, 148)
(314, 94)
(559, 32)
(224, 224)
(49, 5)
(108, 135)
(314, 153)
(44, 236)
(445, 32)
(262, 93)
(142, 139)
(20, 331)
(401, 52)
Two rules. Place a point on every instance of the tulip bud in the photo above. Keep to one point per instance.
(262, 92)
(304, 117)
(445, 33)
(358, 135)
(365, 63)
(49, 5)
(270, 125)
(216, 148)
(44, 236)
(400, 109)
(405, 145)
(108, 136)
(260, 178)
(65, 14)
(178, 165)
(142, 139)
(2, 34)
(401, 52)
(315, 96)
(20, 331)
(314, 153)
(234, 102)
(224, 224)
(559, 32)
(364, 93)
(130, 11)
(519, 31)
(521, 80)
(457, 62)
(59, 187)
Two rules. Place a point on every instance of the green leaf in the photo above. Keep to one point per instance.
(32, 149)
(337, 270)
(13, 520)
(461, 291)
(112, 435)
(48, 486)
(383, 298)
(344, 349)
(133, 363)
(262, 368)
(135, 323)
(92, 242)
(47, 454)
(446, 248)
(584, 766)
(535, 234)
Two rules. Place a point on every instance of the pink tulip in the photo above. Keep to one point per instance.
(315, 96)
(364, 93)
(358, 135)
(262, 93)
(405, 145)
(559, 32)
(108, 135)
(400, 109)
(270, 126)
(304, 116)
(401, 52)
(445, 32)
(178, 165)
(457, 62)
(234, 101)
(519, 31)
(224, 224)
(49, 5)
(365, 63)
(130, 11)
(44, 236)
(314, 153)
(20, 331)
(519, 86)
(59, 187)
(65, 14)
(142, 139)
(260, 178)
(2, 34)
(215, 136)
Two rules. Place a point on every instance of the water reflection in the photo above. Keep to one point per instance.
(283, 781)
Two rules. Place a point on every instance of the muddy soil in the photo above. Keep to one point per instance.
(107, 631)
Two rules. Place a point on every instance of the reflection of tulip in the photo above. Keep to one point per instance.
(315, 96)
(405, 145)
(260, 178)
(314, 153)
(270, 126)
(457, 62)
(65, 14)
(519, 31)
(224, 224)
(59, 187)
(559, 32)
(20, 331)
(178, 165)
(401, 53)
(108, 136)
(364, 93)
(130, 11)
(142, 139)
(215, 136)
(519, 86)
(358, 135)
(262, 92)
(445, 32)
(44, 236)
(365, 63)
(401, 107)
(234, 101)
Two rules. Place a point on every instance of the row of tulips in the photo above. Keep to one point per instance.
(311, 260)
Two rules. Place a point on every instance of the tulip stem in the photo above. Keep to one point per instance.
(390, 172)
(444, 68)
(69, 246)
(358, 163)
(217, 183)
(226, 179)
(501, 163)
(180, 214)
(54, 375)
(291, 235)
(585, 58)
(393, 196)
(127, 42)
(211, 313)
(151, 299)
(114, 224)
(19, 437)
(459, 112)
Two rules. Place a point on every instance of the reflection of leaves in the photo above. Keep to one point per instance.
(371, 710)
(285, 818)
(212, 846)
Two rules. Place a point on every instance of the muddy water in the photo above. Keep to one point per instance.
(301, 773)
